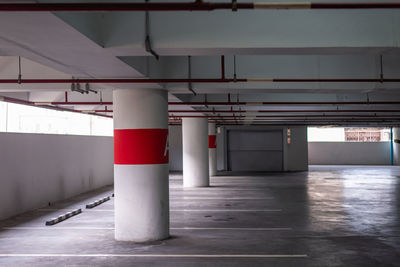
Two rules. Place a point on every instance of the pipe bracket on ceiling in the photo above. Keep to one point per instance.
(147, 42)
(234, 5)
(19, 70)
(190, 84)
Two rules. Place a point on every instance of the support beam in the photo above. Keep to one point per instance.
(141, 165)
(195, 152)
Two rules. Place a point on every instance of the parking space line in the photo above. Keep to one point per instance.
(220, 198)
(182, 210)
(171, 228)
(163, 255)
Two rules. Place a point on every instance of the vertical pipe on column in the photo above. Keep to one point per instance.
(141, 165)
(391, 146)
(195, 152)
(212, 149)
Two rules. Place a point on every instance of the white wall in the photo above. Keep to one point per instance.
(37, 169)
(349, 153)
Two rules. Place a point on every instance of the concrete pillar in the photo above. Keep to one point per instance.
(212, 149)
(195, 152)
(396, 146)
(141, 165)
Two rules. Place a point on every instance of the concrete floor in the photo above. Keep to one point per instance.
(329, 216)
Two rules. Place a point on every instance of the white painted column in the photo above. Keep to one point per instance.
(195, 152)
(141, 164)
(396, 146)
(212, 149)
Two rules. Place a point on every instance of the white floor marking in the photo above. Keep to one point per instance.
(219, 188)
(164, 255)
(232, 228)
(172, 228)
(228, 210)
(57, 228)
(183, 210)
(220, 198)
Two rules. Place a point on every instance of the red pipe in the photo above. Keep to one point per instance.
(264, 111)
(198, 80)
(222, 67)
(121, 81)
(280, 111)
(371, 119)
(242, 103)
(77, 103)
(47, 106)
(190, 6)
(302, 124)
(361, 5)
(287, 116)
(284, 103)
(318, 120)
(171, 6)
(339, 80)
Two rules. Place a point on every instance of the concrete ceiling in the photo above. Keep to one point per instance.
(267, 44)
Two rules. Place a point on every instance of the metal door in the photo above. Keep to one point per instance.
(250, 150)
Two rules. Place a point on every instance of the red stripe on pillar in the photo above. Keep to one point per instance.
(141, 146)
(212, 141)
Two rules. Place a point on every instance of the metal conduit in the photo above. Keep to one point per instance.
(288, 116)
(202, 80)
(198, 5)
(280, 111)
(307, 120)
(47, 106)
(284, 103)
(234, 103)
(253, 112)
(315, 120)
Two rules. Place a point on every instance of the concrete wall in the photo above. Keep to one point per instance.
(349, 153)
(295, 154)
(40, 168)
(175, 148)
